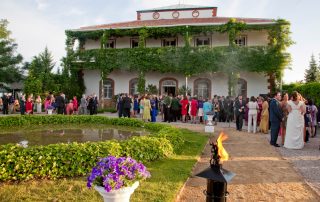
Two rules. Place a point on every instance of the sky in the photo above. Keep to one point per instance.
(36, 24)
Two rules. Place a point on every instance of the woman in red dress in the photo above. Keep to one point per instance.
(194, 110)
(29, 106)
(75, 105)
(184, 106)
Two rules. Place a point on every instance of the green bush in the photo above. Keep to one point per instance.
(10, 121)
(52, 161)
(77, 159)
(174, 136)
(146, 148)
(308, 90)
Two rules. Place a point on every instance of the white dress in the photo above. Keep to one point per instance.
(295, 126)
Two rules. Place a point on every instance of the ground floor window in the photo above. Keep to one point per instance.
(108, 87)
(133, 86)
(202, 87)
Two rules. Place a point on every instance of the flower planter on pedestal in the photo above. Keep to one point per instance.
(119, 195)
(50, 111)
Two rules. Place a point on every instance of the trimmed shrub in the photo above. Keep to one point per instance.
(174, 135)
(307, 90)
(146, 148)
(77, 159)
(52, 161)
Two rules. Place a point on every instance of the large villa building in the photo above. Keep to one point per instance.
(205, 84)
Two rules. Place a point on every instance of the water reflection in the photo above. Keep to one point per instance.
(52, 136)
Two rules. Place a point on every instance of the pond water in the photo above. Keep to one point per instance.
(67, 134)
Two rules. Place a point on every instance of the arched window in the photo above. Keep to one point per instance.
(202, 87)
(242, 88)
(133, 86)
(108, 87)
(168, 86)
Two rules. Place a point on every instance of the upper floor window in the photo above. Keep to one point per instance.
(169, 42)
(134, 43)
(241, 41)
(111, 43)
(202, 41)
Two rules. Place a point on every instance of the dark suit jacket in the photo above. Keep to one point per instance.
(60, 101)
(275, 111)
(238, 106)
(127, 102)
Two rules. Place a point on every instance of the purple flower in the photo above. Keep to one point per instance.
(114, 173)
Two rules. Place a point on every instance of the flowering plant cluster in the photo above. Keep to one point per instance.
(114, 173)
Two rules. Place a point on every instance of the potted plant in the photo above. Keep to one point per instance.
(117, 178)
(50, 108)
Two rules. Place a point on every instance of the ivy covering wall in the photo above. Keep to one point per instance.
(270, 59)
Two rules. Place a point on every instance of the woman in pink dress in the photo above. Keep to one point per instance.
(194, 110)
(184, 106)
(70, 108)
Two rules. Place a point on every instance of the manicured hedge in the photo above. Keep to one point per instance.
(77, 159)
(307, 90)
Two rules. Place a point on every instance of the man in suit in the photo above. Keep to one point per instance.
(126, 105)
(275, 118)
(60, 103)
(239, 111)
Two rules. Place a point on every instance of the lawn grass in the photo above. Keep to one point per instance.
(168, 176)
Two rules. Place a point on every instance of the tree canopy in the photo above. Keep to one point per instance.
(9, 59)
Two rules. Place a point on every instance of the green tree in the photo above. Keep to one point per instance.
(312, 74)
(40, 70)
(9, 59)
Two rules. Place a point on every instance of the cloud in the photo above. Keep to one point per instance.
(75, 11)
(33, 31)
(42, 4)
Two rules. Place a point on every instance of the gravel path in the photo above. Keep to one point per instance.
(306, 161)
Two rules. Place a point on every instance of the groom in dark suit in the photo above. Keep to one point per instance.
(275, 118)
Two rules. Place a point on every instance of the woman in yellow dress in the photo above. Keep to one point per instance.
(264, 123)
(146, 109)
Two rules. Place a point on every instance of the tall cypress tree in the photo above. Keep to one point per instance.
(312, 74)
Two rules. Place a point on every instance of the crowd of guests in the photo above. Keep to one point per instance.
(292, 117)
(58, 104)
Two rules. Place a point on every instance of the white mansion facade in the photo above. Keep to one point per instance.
(205, 84)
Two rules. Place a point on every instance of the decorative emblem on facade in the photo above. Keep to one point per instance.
(175, 14)
(156, 15)
(214, 12)
(195, 13)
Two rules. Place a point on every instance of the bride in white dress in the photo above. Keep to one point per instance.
(295, 123)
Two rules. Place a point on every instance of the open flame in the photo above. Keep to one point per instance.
(224, 156)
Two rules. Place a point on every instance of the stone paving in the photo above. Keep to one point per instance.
(262, 174)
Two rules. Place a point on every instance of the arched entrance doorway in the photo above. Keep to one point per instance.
(168, 86)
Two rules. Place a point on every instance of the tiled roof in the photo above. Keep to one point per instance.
(175, 7)
(174, 22)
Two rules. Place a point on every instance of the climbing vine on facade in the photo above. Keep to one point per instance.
(187, 60)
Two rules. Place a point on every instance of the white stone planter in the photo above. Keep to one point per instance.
(120, 195)
(50, 111)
